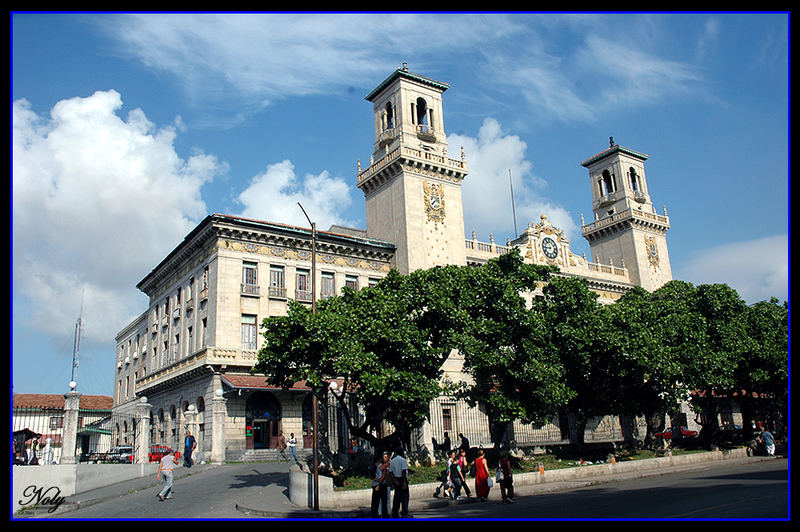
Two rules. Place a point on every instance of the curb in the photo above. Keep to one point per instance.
(530, 486)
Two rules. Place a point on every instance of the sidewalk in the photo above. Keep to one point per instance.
(271, 501)
(280, 507)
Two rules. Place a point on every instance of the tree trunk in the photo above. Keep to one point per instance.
(655, 423)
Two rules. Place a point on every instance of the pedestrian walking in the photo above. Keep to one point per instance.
(768, 441)
(463, 463)
(293, 449)
(444, 487)
(481, 476)
(282, 447)
(456, 476)
(166, 469)
(505, 478)
(399, 470)
(189, 445)
(380, 486)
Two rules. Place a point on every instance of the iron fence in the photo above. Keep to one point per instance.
(102, 436)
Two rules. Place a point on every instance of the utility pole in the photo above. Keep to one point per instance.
(315, 406)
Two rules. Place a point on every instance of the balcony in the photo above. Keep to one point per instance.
(386, 137)
(302, 295)
(250, 290)
(277, 292)
(426, 133)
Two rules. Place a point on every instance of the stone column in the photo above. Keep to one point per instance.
(72, 402)
(219, 415)
(142, 431)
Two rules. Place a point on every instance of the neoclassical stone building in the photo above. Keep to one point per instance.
(195, 344)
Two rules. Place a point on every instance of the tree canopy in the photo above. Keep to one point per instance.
(526, 357)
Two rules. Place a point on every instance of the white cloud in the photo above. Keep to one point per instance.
(274, 194)
(758, 269)
(97, 201)
(254, 60)
(487, 192)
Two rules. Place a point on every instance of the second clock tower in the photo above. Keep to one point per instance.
(412, 188)
(626, 230)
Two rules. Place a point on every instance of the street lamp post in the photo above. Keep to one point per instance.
(315, 420)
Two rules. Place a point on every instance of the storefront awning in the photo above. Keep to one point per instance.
(258, 382)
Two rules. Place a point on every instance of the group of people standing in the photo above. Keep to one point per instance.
(454, 478)
(390, 474)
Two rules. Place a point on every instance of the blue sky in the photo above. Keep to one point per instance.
(128, 129)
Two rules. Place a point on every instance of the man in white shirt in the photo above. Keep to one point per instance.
(166, 466)
(399, 469)
(292, 449)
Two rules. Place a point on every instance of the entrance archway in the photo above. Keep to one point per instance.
(263, 419)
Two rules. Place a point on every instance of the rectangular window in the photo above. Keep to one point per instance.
(328, 288)
(303, 289)
(277, 282)
(351, 281)
(250, 278)
(248, 332)
(447, 419)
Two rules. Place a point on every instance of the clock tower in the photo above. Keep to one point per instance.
(626, 230)
(412, 188)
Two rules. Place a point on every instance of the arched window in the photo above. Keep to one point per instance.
(422, 112)
(634, 179)
(607, 183)
(389, 117)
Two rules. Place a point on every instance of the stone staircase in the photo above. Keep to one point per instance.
(259, 455)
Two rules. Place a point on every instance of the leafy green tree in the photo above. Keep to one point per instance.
(387, 343)
(514, 374)
(580, 336)
(656, 332)
(710, 368)
(762, 375)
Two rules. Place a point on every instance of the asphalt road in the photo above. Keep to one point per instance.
(738, 490)
(720, 491)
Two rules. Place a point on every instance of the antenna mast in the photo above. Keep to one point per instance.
(76, 344)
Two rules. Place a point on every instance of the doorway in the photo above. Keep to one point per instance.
(263, 420)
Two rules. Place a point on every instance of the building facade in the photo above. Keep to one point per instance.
(199, 337)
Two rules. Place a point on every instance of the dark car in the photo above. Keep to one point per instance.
(157, 452)
(122, 454)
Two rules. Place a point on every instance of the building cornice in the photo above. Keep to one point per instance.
(404, 73)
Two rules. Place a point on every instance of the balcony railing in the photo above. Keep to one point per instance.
(302, 295)
(277, 292)
(250, 289)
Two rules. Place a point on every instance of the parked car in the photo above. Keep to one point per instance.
(667, 434)
(94, 457)
(157, 452)
(122, 454)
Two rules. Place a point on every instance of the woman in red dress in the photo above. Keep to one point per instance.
(481, 476)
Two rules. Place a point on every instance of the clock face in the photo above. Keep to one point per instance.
(550, 248)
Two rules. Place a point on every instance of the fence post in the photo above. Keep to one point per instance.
(72, 404)
(219, 413)
(143, 431)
